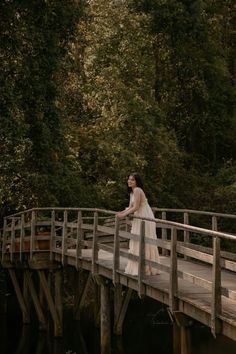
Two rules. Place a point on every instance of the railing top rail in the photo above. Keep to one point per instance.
(190, 211)
(169, 224)
(105, 211)
(198, 212)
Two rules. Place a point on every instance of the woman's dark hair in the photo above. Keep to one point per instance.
(137, 179)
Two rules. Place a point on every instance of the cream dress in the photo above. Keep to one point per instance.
(151, 251)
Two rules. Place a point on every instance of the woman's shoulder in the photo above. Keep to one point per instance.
(138, 190)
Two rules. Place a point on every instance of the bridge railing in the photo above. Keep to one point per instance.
(74, 232)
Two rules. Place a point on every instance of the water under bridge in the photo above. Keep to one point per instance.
(197, 280)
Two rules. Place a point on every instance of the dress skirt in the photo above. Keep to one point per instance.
(151, 251)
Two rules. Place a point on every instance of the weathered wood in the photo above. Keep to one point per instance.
(78, 239)
(58, 294)
(32, 233)
(12, 249)
(193, 295)
(185, 340)
(81, 294)
(174, 274)
(95, 244)
(176, 332)
(141, 261)
(105, 319)
(52, 234)
(164, 234)
(116, 257)
(37, 301)
(46, 289)
(64, 236)
(122, 300)
(23, 306)
(216, 288)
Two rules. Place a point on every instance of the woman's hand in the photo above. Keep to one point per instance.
(120, 215)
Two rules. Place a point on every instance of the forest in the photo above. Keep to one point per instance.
(92, 90)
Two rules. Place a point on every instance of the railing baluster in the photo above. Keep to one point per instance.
(22, 234)
(216, 287)
(173, 271)
(13, 221)
(32, 237)
(116, 255)
(186, 232)
(4, 238)
(95, 243)
(52, 234)
(79, 239)
(214, 223)
(141, 263)
(164, 251)
(64, 235)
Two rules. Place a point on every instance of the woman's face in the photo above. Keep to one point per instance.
(131, 182)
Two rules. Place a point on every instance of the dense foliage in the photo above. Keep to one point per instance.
(92, 90)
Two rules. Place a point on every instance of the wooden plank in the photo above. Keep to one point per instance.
(105, 319)
(52, 234)
(116, 257)
(95, 244)
(64, 235)
(56, 319)
(216, 288)
(121, 311)
(164, 234)
(141, 260)
(173, 274)
(37, 302)
(23, 306)
(79, 237)
(32, 233)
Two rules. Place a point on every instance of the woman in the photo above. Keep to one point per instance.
(139, 207)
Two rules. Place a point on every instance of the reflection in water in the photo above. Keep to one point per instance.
(143, 334)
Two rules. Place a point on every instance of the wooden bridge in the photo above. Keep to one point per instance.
(197, 279)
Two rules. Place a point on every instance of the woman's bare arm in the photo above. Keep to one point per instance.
(133, 206)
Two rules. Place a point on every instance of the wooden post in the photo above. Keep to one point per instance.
(173, 271)
(216, 287)
(141, 263)
(22, 235)
(78, 239)
(105, 319)
(64, 236)
(36, 300)
(12, 249)
(164, 234)
(176, 338)
(81, 294)
(24, 309)
(116, 255)
(58, 294)
(52, 235)
(185, 340)
(95, 244)
(56, 319)
(186, 232)
(181, 333)
(4, 237)
(121, 303)
(32, 237)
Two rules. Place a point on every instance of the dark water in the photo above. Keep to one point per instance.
(147, 330)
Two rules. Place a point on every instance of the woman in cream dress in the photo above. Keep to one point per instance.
(139, 207)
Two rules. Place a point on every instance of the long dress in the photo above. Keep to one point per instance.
(151, 251)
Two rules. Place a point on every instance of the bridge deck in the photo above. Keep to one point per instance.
(196, 280)
(190, 293)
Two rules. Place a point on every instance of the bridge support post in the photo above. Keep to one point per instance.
(181, 333)
(105, 319)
